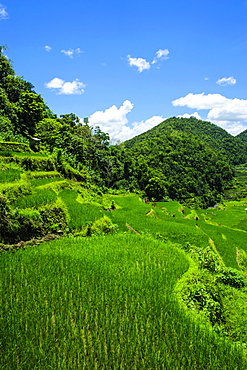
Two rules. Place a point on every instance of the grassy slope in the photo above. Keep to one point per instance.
(41, 318)
(111, 306)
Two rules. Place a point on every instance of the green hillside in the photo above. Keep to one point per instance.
(125, 282)
(243, 136)
(180, 159)
(215, 137)
(127, 257)
(180, 166)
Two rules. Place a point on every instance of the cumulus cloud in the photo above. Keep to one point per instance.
(3, 13)
(187, 115)
(160, 55)
(114, 121)
(200, 101)
(143, 64)
(230, 113)
(47, 48)
(70, 52)
(140, 63)
(234, 128)
(227, 81)
(66, 88)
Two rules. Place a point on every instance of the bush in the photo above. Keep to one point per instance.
(14, 147)
(101, 226)
(16, 191)
(200, 293)
(208, 260)
(232, 277)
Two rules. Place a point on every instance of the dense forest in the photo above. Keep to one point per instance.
(243, 136)
(214, 136)
(182, 159)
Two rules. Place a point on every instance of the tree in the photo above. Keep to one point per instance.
(156, 188)
(14, 86)
(5, 66)
(31, 110)
(48, 130)
(69, 119)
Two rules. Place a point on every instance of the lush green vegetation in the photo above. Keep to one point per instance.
(243, 136)
(180, 159)
(9, 175)
(37, 198)
(148, 267)
(103, 303)
(215, 137)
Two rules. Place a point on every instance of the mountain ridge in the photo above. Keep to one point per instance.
(214, 136)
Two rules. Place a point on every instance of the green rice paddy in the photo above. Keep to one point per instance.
(108, 302)
(102, 303)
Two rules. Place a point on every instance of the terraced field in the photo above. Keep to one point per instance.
(103, 303)
(166, 291)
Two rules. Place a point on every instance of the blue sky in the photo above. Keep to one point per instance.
(130, 64)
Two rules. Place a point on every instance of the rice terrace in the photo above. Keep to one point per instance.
(125, 256)
(167, 293)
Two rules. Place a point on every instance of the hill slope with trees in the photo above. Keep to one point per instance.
(180, 166)
(243, 136)
(215, 137)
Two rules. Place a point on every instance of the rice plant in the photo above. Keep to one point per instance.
(38, 198)
(134, 212)
(40, 182)
(102, 303)
(10, 175)
(79, 214)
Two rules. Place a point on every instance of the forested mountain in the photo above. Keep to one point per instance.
(215, 137)
(184, 159)
(179, 165)
(243, 136)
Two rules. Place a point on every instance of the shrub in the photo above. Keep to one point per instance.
(14, 147)
(208, 260)
(200, 293)
(101, 226)
(232, 277)
(16, 191)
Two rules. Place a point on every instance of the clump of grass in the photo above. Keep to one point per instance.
(101, 226)
(37, 198)
(9, 175)
(40, 182)
(78, 214)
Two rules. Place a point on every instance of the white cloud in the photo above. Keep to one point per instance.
(230, 113)
(70, 52)
(114, 121)
(187, 115)
(160, 55)
(140, 63)
(47, 48)
(200, 101)
(143, 126)
(66, 88)
(143, 64)
(234, 128)
(3, 13)
(227, 81)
